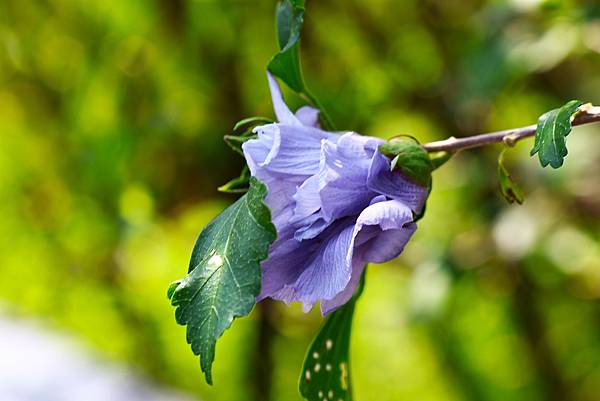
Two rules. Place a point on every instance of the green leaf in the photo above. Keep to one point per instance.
(552, 129)
(511, 191)
(326, 371)
(239, 184)
(410, 158)
(224, 273)
(286, 63)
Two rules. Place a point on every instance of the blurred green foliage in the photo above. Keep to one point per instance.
(111, 123)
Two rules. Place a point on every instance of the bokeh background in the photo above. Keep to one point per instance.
(112, 115)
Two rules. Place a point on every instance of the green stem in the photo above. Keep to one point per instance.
(325, 117)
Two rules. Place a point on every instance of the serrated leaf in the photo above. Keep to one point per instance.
(326, 370)
(552, 129)
(286, 64)
(511, 191)
(410, 158)
(224, 273)
(239, 184)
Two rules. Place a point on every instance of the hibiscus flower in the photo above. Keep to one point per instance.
(335, 202)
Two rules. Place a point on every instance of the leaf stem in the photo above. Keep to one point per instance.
(326, 118)
(587, 114)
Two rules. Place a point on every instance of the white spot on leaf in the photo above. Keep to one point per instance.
(214, 262)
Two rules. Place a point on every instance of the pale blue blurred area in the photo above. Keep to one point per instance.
(39, 364)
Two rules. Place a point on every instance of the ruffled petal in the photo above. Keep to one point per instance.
(307, 199)
(310, 271)
(339, 188)
(358, 266)
(286, 151)
(395, 185)
(329, 272)
(279, 200)
(383, 229)
(380, 234)
(307, 215)
(383, 247)
(388, 244)
(285, 263)
(343, 177)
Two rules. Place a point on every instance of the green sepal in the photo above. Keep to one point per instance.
(251, 122)
(551, 132)
(410, 158)
(326, 370)
(224, 273)
(235, 142)
(438, 159)
(286, 63)
(243, 128)
(511, 191)
(237, 185)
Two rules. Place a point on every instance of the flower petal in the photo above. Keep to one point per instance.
(388, 244)
(307, 199)
(282, 112)
(339, 188)
(308, 116)
(343, 177)
(383, 229)
(358, 266)
(380, 234)
(285, 264)
(285, 150)
(329, 272)
(395, 185)
(311, 270)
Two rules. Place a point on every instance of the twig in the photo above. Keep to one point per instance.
(587, 114)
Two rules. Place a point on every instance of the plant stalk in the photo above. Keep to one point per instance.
(587, 114)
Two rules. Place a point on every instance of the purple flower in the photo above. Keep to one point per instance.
(335, 202)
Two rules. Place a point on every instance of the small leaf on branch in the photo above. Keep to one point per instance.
(239, 184)
(224, 274)
(286, 64)
(511, 191)
(551, 132)
(410, 158)
(326, 370)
